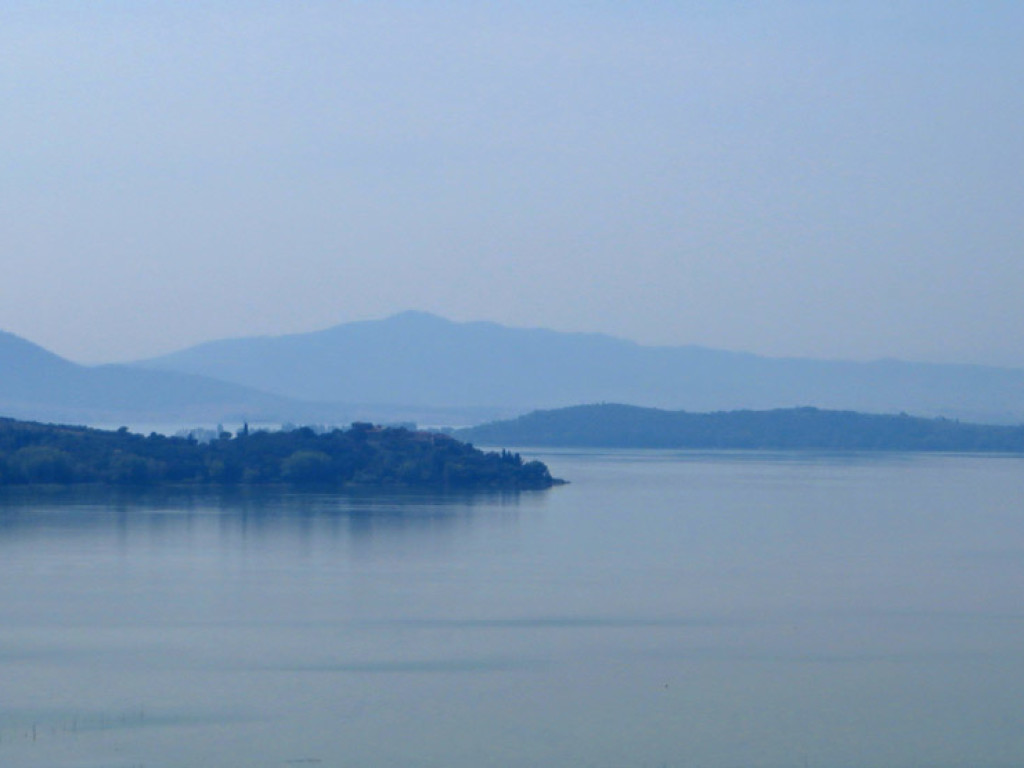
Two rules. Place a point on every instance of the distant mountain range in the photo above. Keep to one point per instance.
(417, 359)
(38, 384)
(627, 426)
(420, 367)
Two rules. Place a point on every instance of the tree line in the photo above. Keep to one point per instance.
(33, 453)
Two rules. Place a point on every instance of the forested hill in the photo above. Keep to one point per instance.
(624, 426)
(364, 455)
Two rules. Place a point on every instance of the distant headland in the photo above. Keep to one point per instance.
(627, 426)
(32, 453)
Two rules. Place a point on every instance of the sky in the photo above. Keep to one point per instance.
(812, 179)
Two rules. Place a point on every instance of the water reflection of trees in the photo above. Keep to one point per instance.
(240, 513)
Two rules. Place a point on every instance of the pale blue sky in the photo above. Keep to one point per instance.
(826, 179)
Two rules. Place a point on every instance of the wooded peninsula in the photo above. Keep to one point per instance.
(32, 453)
(609, 425)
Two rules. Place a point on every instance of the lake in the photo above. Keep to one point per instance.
(715, 610)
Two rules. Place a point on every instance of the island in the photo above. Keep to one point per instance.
(33, 453)
(608, 425)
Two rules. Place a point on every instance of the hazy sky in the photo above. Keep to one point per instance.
(828, 179)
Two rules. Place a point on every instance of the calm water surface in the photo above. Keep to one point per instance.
(665, 609)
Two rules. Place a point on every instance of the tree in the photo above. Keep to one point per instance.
(307, 467)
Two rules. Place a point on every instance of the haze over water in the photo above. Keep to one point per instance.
(712, 610)
(840, 181)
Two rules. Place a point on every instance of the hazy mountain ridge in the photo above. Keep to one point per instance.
(624, 426)
(419, 359)
(413, 358)
(420, 367)
(36, 383)
(40, 385)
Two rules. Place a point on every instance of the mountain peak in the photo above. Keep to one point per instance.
(16, 351)
(417, 316)
(420, 359)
